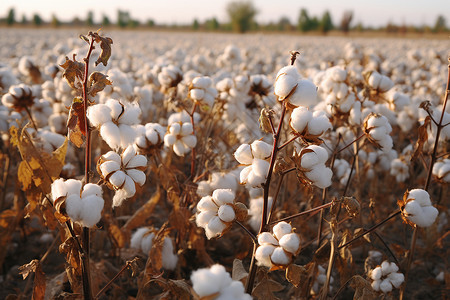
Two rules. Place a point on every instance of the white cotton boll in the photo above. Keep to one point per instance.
(385, 286)
(180, 148)
(99, 114)
(266, 238)
(92, 189)
(374, 79)
(137, 161)
(118, 198)
(290, 242)
(319, 123)
(263, 254)
(169, 259)
(108, 167)
(206, 203)
(223, 196)
(73, 187)
(206, 282)
(137, 236)
(421, 196)
(321, 152)
(376, 273)
(244, 174)
(186, 129)
(58, 189)
(74, 207)
(235, 291)
(243, 154)
(129, 186)
(147, 242)
(385, 84)
(202, 82)
(202, 218)
(320, 176)
(110, 134)
(280, 229)
(284, 85)
(190, 141)
(260, 167)
(91, 211)
(127, 135)
(279, 257)
(175, 128)
(300, 117)
(226, 213)
(111, 155)
(214, 227)
(396, 279)
(197, 94)
(131, 114)
(117, 179)
(138, 176)
(305, 94)
(309, 160)
(128, 154)
(261, 150)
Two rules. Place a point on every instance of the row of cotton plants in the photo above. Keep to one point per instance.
(200, 156)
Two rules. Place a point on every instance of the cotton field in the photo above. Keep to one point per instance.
(163, 165)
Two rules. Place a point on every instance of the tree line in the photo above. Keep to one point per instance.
(242, 18)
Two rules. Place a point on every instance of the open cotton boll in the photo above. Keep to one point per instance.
(266, 238)
(147, 241)
(286, 81)
(260, 149)
(263, 253)
(243, 154)
(290, 242)
(210, 281)
(280, 257)
(320, 176)
(91, 210)
(137, 236)
(300, 118)
(319, 123)
(226, 213)
(309, 160)
(441, 170)
(418, 208)
(169, 259)
(74, 207)
(305, 94)
(281, 228)
(92, 189)
(73, 186)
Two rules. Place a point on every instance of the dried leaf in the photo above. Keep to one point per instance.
(145, 211)
(423, 137)
(238, 272)
(154, 262)
(97, 82)
(76, 123)
(39, 278)
(105, 44)
(8, 221)
(266, 287)
(296, 274)
(37, 166)
(73, 70)
(70, 248)
(363, 289)
(351, 205)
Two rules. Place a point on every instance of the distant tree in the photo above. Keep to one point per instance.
(11, 17)
(105, 21)
(76, 21)
(195, 25)
(90, 18)
(440, 24)
(37, 20)
(150, 23)
(133, 23)
(24, 20)
(304, 22)
(212, 24)
(123, 18)
(241, 14)
(284, 24)
(326, 24)
(55, 22)
(346, 20)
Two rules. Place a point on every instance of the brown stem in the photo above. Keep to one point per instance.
(346, 146)
(31, 118)
(251, 235)
(191, 115)
(288, 142)
(127, 265)
(316, 209)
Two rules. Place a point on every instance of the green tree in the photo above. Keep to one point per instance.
(37, 20)
(55, 22)
(123, 18)
(24, 20)
(326, 24)
(105, 21)
(150, 23)
(440, 24)
(346, 20)
(304, 22)
(212, 24)
(195, 25)
(90, 19)
(241, 14)
(11, 17)
(284, 24)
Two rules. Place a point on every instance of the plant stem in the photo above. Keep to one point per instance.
(31, 118)
(127, 265)
(251, 235)
(428, 181)
(191, 115)
(316, 209)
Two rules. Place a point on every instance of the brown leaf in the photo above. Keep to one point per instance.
(39, 278)
(73, 70)
(105, 44)
(9, 219)
(296, 274)
(238, 272)
(422, 139)
(266, 287)
(363, 289)
(351, 205)
(70, 248)
(76, 122)
(144, 212)
(155, 255)
(37, 166)
(97, 82)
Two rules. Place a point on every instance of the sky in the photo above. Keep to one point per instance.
(368, 12)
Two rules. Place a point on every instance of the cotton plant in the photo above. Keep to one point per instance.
(311, 166)
(255, 159)
(377, 129)
(378, 82)
(386, 278)
(19, 97)
(309, 125)
(180, 137)
(441, 170)
(123, 173)
(142, 239)
(116, 122)
(149, 137)
(218, 180)
(215, 283)
(170, 76)
(277, 249)
(217, 213)
(83, 204)
(333, 86)
(417, 208)
(399, 169)
(289, 84)
(202, 91)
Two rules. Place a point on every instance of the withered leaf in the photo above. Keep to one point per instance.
(97, 82)
(423, 137)
(351, 205)
(141, 215)
(37, 167)
(238, 272)
(73, 70)
(39, 278)
(76, 122)
(155, 255)
(363, 289)
(266, 287)
(105, 44)
(296, 274)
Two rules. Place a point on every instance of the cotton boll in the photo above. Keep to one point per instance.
(58, 189)
(263, 254)
(309, 160)
(91, 189)
(305, 94)
(418, 209)
(202, 218)
(127, 135)
(131, 114)
(319, 123)
(210, 281)
(279, 257)
(74, 207)
(290, 242)
(111, 134)
(99, 114)
(169, 259)
(385, 286)
(137, 236)
(261, 149)
(299, 118)
(243, 154)
(91, 211)
(117, 179)
(73, 187)
(214, 227)
(285, 83)
(206, 203)
(147, 241)
(260, 167)
(280, 229)
(265, 238)
(226, 213)
(320, 176)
